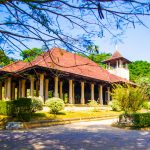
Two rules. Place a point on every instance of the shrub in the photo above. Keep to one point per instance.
(146, 105)
(6, 108)
(137, 119)
(92, 103)
(36, 104)
(66, 98)
(113, 104)
(24, 116)
(129, 98)
(55, 104)
(23, 108)
(22, 105)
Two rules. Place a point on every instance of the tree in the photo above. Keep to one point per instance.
(4, 59)
(99, 58)
(65, 23)
(128, 98)
(144, 82)
(139, 69)
(28, 55)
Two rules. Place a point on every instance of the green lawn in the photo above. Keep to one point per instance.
(74, 115)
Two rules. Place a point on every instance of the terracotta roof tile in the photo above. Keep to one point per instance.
(115, 56)
(62, 60)
(15, 66)
(65, 61)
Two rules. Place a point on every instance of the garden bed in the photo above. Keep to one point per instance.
(41, 119)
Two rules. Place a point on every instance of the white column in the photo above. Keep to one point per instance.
(120, 63)
(109, 65)
(31, 86)
(116, 63)
(73, 94)
(23, 88)
(13, 90)
(41, 95)
(108, 95)
(101, 94)
(61, 89)
(5, 89)
(46, 88)
(37, 88)
(92, 91)
(106, 66)
(56, 87)
(82, 93)
(9, 88)
(70, 91)
(19, 89)
(0, 90)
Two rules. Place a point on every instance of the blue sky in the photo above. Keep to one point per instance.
(136, 43)
(135, 46)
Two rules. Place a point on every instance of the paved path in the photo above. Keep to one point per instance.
(95, 135)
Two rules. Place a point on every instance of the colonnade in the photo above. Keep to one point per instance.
(42, 89)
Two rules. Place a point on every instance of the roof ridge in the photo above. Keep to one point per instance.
(13, 63)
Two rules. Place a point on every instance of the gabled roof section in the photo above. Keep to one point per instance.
(15, 66)
(68, 62)
(116, 56)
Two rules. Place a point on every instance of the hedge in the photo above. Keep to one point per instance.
(22, 105)
(6, 108)
(138, 119)
(20, 108)
(141, 119)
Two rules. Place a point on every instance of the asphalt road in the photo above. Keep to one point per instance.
(94, 135)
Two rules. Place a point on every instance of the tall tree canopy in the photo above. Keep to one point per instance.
(140, 73)
(66, 23)
(28, 55)
(4, 59)
(139, 69)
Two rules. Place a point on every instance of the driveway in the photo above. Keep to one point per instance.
(94, 135)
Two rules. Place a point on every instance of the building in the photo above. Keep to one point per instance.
(63, 73)
(118, 65)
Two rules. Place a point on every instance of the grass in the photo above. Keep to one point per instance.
(74, 115)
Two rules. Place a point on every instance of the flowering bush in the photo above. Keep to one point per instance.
(55, 104)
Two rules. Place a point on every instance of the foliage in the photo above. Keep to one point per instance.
(36, 104)
(138, 119)
(23, 108)
(43, 21)
(99, 58)
(29, 54)
(144, 82)
(66, 98)
(146, 105)
(139, 70)
(128, 98)
(113, 104)
(55, 105)
(92, 103)
(6, 107)
(24, 116)
(4, 59)
(23, 105)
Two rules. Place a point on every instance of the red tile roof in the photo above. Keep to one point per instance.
(15, 66)
(62, 60)
(116, 56)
